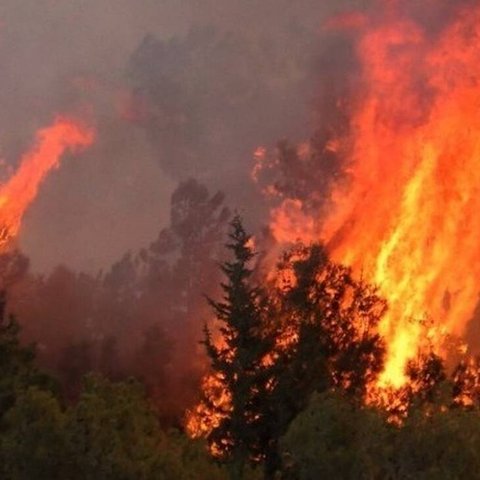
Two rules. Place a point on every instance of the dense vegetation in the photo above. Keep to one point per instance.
(293, 357)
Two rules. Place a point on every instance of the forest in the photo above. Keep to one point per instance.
(288, 370)
(238, 242)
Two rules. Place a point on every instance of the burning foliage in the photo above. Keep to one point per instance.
(316, 331)
(313, 330)
(353, 329)
(398, 197)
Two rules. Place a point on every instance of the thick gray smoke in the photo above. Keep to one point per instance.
(175, 89)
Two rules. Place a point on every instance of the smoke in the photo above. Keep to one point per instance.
(175, 90)
(69, 57)
(142, 317)
(213, 82)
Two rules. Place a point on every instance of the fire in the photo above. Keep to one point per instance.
(412, 201)
(202, 419)
(405, 215)
(22, 188)
(290, 223)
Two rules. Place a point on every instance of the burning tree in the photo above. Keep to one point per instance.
(314, 330)
(466, 383)
(329, 339)
(239, 359)
(334, 316)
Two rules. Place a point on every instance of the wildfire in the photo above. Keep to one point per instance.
(406, 216)
(22, 188)
(202, 419)
(414, 195)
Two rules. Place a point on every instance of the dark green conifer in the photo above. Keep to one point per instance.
(239, 359)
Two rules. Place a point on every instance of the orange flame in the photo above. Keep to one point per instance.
(203, 418)
(408, 217)
(22, 188)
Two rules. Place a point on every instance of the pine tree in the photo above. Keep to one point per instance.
(238, 359)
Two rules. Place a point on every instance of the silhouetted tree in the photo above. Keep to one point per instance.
(238, 359)
(426, 374)
(162, 284)
(330, 338)
(335, 315)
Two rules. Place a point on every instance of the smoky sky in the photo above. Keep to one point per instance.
(175, 89)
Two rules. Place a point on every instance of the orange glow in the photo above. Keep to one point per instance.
(21, 189)
(405, 215)
(289, 224)
(412, 199)
(203, 418)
